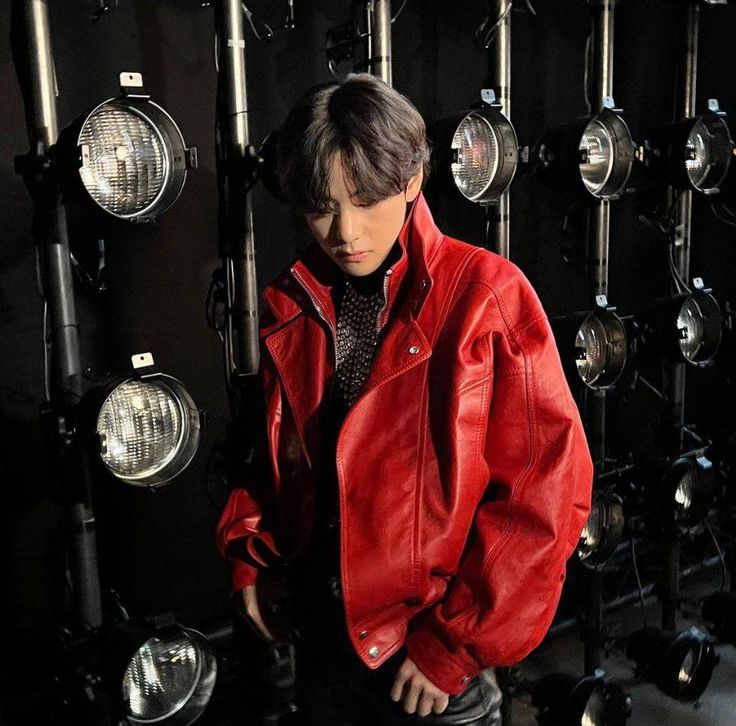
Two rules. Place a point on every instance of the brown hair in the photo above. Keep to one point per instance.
(380, 133)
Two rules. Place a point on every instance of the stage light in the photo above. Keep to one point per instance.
(593, 154)
(146, 427)
(600, 345)
(694, 153)
(603, 529)
(685, 327)
(565, 700)
(687, 489)
(719, 608)
(126, 155)
(170, 678)
(478, 150)
(593, 345)
(679, 664)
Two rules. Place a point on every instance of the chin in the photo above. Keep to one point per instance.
(357, 269)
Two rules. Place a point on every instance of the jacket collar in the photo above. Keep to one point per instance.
(419, 240)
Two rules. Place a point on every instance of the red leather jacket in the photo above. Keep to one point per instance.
(464, 471)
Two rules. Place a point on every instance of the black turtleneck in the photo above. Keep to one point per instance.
(325, 542)
(373, 281)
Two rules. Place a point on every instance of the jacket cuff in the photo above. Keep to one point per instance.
(449, 671)
(241, 574)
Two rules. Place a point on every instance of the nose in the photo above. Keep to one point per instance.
(347, 227)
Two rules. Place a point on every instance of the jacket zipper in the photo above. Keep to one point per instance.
(379, 322)
(318, 310)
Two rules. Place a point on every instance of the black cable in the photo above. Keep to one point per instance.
(486, 31)
(638, 581)
(715, 206)
(724, 569)
(399, 11)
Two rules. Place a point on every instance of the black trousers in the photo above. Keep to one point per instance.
(335, 688)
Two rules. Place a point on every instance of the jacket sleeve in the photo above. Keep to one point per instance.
(244, 533)
(502, 600)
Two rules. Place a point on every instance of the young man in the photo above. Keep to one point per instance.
(425, 470)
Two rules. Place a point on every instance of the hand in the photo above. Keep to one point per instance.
(418, 689)
(253, 613)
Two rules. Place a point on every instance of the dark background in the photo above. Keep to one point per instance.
(158, 550)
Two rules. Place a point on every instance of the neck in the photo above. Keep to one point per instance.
(373, 280)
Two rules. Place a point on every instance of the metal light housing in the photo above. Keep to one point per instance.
(478, 151)
(592, 155)
(566, 700)
(603, 529)
(694, 153)
(126, 155)
(145, 427)
(686, 327)
(686, 490)
(170, 678)
(593, 345)
(679, 664)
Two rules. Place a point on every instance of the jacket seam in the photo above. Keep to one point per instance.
(417, 539)
(473, 384)
(529, 387)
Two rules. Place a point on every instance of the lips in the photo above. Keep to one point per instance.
(352, 255)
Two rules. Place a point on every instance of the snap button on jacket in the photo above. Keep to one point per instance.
(463, 469)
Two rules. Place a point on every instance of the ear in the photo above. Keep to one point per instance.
(415, 185)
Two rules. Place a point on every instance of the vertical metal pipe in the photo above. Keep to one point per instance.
(501, 61)
(598, 247)
(670, 595)
(35, 66)
(42, 75)
(600, 218)
(240, 245)
(602, 51)
(593, 620)
(380, 48)
(683, 219)
(600, 244)
(602, 28)
(683, 209)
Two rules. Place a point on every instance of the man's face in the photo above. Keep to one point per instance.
(359, 237)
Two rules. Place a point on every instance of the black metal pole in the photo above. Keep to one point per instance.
(593, 619)
(32, 53)
(236, 173)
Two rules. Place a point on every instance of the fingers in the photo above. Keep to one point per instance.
(426, 704)
(417, 697)
(412, 697)
(440, 703)
(263, 631)
(398, 687)
(253, 613)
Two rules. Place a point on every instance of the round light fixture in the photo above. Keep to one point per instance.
(694, 153)
(686, 327)
(565, 700)
(148, 429)
(479, 150)
(145, 428)
(593, 154)
(593, 345)
(170, 679)
(600, 348)
(603, 529)
(687, 490)
(126, 155)
(679, 664)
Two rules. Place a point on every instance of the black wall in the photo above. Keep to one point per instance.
(158, 550)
